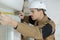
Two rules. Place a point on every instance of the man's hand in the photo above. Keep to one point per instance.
(21, 15)
(7, 20)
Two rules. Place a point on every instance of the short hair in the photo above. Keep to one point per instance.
(42, 10)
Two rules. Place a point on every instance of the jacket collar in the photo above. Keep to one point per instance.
(43, 21)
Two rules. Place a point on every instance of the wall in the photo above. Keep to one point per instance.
(8, 33)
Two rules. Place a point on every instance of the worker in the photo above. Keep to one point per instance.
(43, 27)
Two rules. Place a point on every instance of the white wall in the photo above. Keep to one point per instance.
(8, 33)
(13, 4)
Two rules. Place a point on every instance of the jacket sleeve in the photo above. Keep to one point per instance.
(28, 19)
(29, 31)
(53, 25)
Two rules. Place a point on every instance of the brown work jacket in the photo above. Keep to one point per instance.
(36, 31)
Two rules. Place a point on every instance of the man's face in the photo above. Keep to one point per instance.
(35, 14)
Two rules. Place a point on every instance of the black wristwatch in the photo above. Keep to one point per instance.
(22, 20)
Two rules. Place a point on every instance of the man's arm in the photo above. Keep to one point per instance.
(29, 31)
(26, 30)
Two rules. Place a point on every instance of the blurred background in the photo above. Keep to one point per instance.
(53, 11)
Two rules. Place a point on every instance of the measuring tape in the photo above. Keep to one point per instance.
(10, 13)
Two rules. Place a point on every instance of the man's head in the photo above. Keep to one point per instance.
(37, 10)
